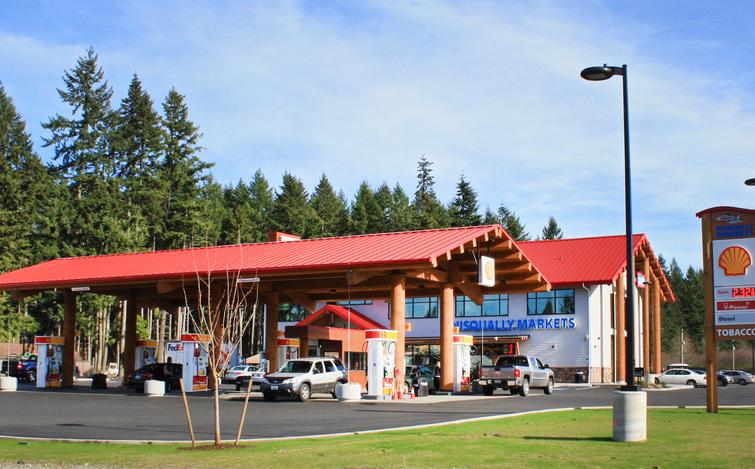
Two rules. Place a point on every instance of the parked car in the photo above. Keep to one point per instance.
(682, 376)
(25, 368)
(302, 377)
(721, 378)
(412, 377)
(234, 373)
(675, 365)
(242, 382)
(740, 377)
(171, 373)
(517, 374)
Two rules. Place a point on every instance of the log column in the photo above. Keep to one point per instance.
(217, 302)
(656, 364)
(446, 337)
(398, 323)
(271, 331)
(129, 352)
(69, 335)
(646, 317)
(620, 329)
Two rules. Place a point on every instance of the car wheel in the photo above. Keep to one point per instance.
(722, 382)
(268, 397)
(488, 390)
(692, 383)
(333, 393)
(238, 386)
(513, 391)
(743, 382)
(304, 392)
(657, 381)
(524, 389)
(32, 377)
(168, 387)
(549, 387)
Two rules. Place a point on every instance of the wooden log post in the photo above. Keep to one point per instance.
(271, 331)
(129, 352)
(446, 336)
(620, 330)
(398, 323)
(217, 304)
(646, 317)
(657, 357)
(69, 335)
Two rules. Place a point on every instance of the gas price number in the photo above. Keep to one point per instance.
(743, 292)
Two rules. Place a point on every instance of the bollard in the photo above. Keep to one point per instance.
(154, 388)
(348, 391)
(8, 384)
(630, 416)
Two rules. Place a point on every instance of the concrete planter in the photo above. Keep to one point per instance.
(154, 388)
(630, 415)
(348, 392)
(8, 384)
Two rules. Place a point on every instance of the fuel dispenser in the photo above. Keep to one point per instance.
(462, 362)
(195, 355)
(146, 353)
(288, 349)
(49, 361)
(381, 350)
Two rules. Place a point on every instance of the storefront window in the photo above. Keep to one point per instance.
(494, 305)
(290, 312)
(552, 302)
(419, 308)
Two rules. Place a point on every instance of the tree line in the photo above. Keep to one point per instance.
(129, 176)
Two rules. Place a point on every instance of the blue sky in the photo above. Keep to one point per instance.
(359, 90)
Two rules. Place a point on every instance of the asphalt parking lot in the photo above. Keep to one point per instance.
(124, 415)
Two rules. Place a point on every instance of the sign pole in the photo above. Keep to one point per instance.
(711, 390)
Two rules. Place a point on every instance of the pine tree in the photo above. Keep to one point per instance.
(428, 211)
(183, 172)
(238, 227)
(512, 225)
(328, 208)
(208, 230)
(291, 210)
(401, 214)
(384, 204)
(552, 230)
(138, 142)
(365, 214)
(262, 206)
(463, 210)
(490, 217)
(82, 146)
(672, 316)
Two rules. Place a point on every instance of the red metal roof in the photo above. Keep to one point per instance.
(357, 319)
(597, 260)
(411, 247)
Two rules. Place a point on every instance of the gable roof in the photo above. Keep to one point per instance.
(596, 260)
(357, 319)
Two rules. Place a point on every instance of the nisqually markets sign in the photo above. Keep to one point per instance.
(515, 324)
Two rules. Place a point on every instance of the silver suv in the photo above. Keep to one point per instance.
(302, 377)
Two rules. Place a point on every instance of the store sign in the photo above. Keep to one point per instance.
(486, 273)
(495, 325)
(733, 255)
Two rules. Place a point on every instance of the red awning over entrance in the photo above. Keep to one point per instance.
(325, 317)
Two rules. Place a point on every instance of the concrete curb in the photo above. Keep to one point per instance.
(364, 432)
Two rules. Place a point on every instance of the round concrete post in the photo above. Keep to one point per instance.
(154, 388)
(630, 416)
(8, 383)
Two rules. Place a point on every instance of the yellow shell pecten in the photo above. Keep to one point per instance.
(735, 260)
(489, 270)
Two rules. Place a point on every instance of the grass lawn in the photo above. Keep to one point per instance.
(677, 438)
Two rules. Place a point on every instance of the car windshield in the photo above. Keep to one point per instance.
(512, 361)
(296, 366)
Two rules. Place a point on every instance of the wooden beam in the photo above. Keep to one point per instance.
(302, 299)
(164, 287)
(472, 291)
(429, 275)
(356, 277)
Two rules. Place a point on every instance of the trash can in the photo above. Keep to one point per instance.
(579, 377)
(423, 389)
(99, 381)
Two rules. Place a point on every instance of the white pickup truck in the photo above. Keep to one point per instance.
(518, 374)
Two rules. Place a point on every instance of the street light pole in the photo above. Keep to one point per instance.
(598, 74)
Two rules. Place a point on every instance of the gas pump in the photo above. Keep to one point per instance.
(288, 349)
(49, 361)
(381, 349)
(195, 356)
(146, 353)
(462, 362)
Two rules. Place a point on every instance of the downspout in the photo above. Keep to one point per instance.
(589, 343)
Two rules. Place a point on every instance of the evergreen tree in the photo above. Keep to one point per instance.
(138, 141)
(463, 210)
(291, 210)
(384, 204)
(401, 215)
(329, 210)
(512, 225)
(672, 316)
(82, 146)
(692, 303)
(262, 206)
(552, 230)
(183, 173)
(365, 214)
(490, 217)
(208, 230)
(428, 211)
(238, 227)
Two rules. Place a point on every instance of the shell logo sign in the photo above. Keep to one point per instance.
(734, 261)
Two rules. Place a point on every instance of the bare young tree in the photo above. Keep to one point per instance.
(219, 303)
